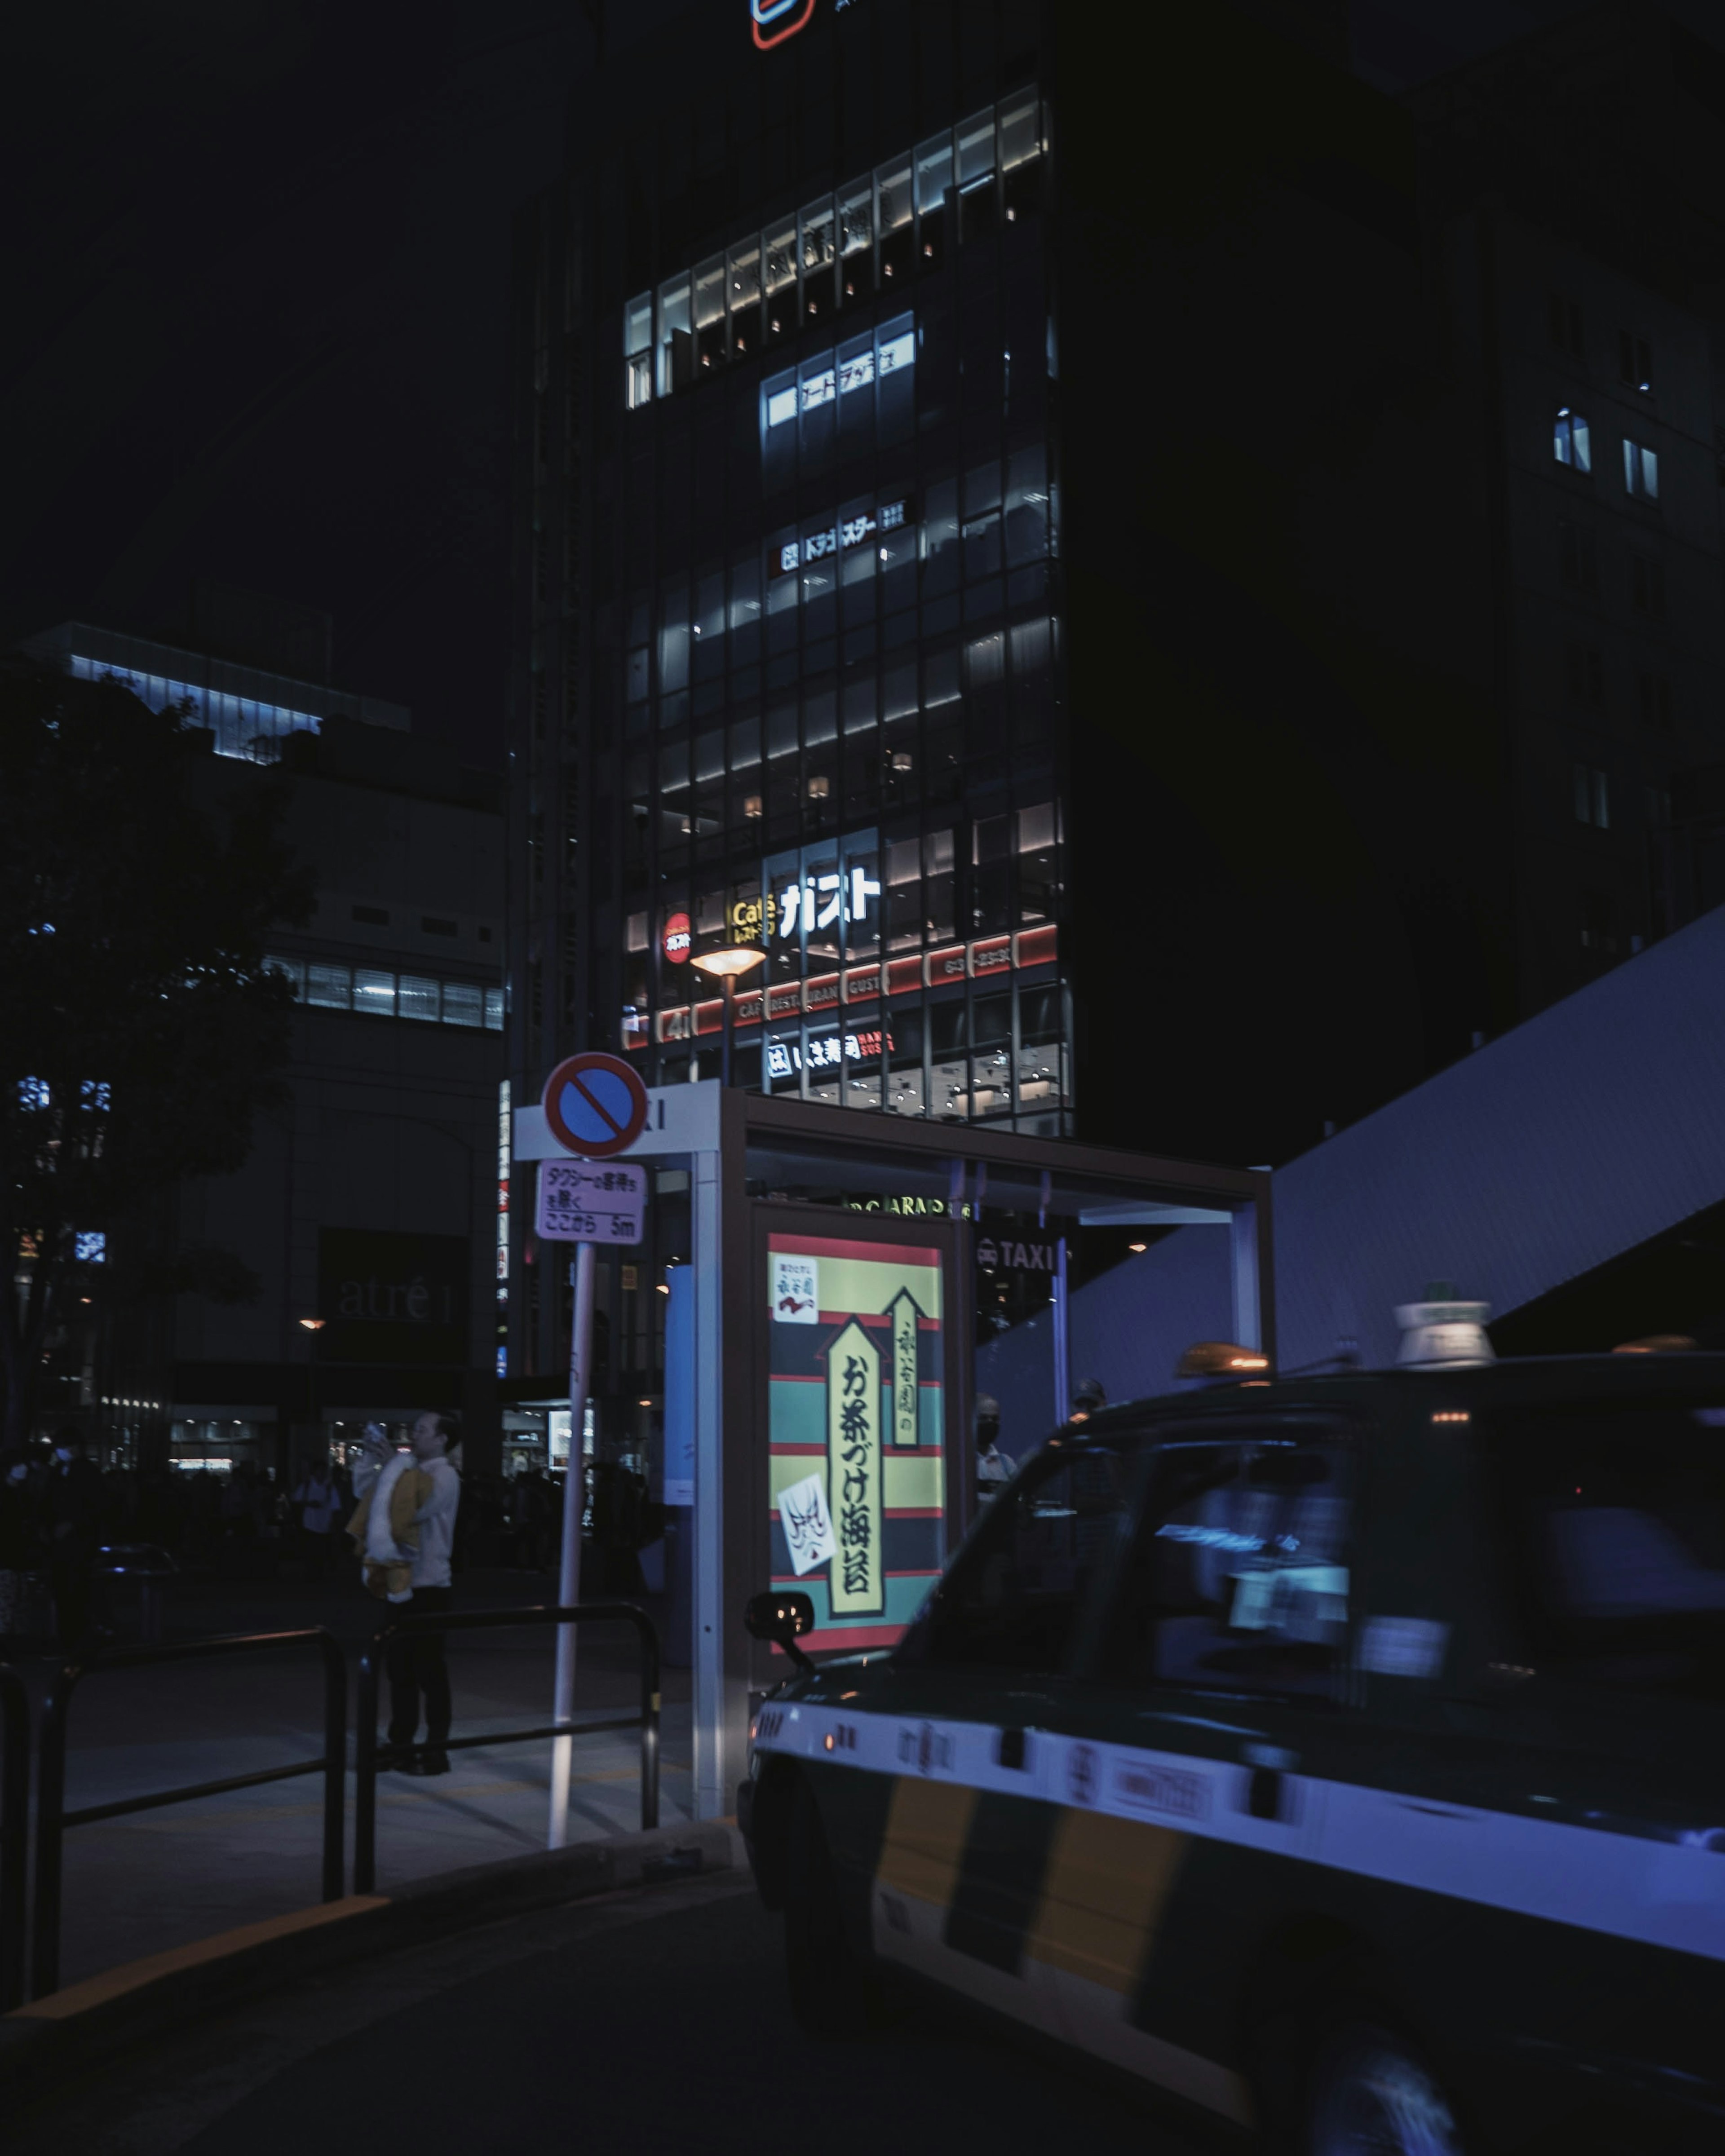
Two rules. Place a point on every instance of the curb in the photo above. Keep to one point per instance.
(77, 2027)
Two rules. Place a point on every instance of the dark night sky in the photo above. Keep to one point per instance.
(255, 269)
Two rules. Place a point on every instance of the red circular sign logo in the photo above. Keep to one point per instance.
(677, 939)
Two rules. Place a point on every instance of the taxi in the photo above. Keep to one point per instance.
(1343, 1755)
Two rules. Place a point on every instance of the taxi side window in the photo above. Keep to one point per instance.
(1237, 1579)
(1616, 1509)
(1013, 1599)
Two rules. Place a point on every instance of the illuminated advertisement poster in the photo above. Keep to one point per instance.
(855, 1426)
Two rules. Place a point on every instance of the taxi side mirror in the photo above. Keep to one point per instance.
(780, 1616)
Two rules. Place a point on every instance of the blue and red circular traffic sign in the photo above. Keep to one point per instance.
(596, 1105)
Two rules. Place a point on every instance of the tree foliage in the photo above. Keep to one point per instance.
(140, 1032)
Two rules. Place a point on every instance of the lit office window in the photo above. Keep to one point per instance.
(417, 998)
(494, 1010)
(816, 223)
(780, 398)
(1027, 505)
(1640, 471)
(291, 971)
(638, 351)
(373, 992)
(241, 726)
(1571, 443)
(329, 987)
(894, 220)
(708, 627)
(977, 192)
(934, 181)
(856, 244)
(744, 294)
(940, 537)
(1021, 154)
(676, 342)
(463, 1004)
(711, 339)
(746, 594)
(780, 245)
(673, 638)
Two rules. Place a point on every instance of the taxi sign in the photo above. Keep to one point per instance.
(595, 1104)
(582, 1202)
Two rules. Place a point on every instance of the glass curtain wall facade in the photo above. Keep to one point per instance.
(838, 730)
(791, 639)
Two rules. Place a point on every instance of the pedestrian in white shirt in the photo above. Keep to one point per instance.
(417, 1665)
(319, 1498)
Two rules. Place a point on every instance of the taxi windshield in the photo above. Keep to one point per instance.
(1617, 1518)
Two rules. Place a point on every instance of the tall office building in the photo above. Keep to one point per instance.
(1167, 592)
(788, 634)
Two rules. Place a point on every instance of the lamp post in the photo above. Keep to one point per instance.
(314, 1326)
(728, 964)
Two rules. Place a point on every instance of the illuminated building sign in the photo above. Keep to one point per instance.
(824, 901)
(890, 356)
(773, 21)
(677, 939)
(826, 1052)
(750, 918)
(840, 538)
(856, 985)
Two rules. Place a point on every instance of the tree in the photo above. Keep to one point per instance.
(140, 1030)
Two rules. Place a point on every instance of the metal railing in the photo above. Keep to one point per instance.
(14, 1833)
(52, 1819)
(371, 1669)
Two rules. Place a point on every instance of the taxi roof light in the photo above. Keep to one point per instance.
(1442, 1334)
(1221, 1358)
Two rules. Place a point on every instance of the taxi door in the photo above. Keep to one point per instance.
(1195, 1745)
(974, 1692)
(1542, 1826)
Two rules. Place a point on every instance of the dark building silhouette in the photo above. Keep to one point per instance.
(368, 1201)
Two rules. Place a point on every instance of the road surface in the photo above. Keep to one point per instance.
(653, 2021)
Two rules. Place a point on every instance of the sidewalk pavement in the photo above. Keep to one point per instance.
(159, 1879)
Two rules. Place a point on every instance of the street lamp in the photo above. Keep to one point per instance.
(313, 1326)
(728, 965)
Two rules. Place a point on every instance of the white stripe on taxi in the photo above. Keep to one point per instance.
(1657, 1892)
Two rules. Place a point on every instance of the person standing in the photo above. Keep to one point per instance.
(319, 1500)
(994, 1467)
(1089, 1397)
(417, 1666)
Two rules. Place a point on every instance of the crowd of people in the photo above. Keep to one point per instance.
(60, 1512)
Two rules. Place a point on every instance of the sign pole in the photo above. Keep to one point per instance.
(569, 1573)
(595, 1107)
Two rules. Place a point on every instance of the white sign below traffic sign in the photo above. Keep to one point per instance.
(590, 1201)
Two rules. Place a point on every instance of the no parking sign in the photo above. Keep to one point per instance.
(595, 1104)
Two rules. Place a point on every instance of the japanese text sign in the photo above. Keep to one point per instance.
(590, 1201)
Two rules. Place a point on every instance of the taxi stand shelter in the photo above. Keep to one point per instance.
(832, 1294)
